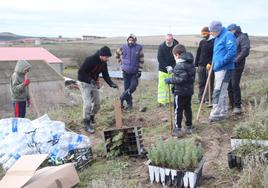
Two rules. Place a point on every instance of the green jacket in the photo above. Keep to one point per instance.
(19, 92)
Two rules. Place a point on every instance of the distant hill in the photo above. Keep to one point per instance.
(7, 36)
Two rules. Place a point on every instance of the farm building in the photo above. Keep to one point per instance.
(31, 53)
(47, 86)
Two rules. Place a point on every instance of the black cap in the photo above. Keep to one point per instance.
(105, 51)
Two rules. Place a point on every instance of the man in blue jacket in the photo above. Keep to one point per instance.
(131, 58)
(224, 52)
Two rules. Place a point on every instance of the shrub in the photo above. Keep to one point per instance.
(256, 126)
(176, 154)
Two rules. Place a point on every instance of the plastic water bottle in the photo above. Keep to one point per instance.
(11, 161)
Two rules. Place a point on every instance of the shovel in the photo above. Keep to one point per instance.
(170, 109)
(118, 111)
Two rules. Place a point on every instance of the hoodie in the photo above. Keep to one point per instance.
(184, 75)
(19, 92)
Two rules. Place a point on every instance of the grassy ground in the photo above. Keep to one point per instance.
(120, 172)
(132, 172)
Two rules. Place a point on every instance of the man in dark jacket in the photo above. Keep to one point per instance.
(183, 79)
(166, 64)
(131, 58)
(88, 76)
(203, 61)
(243, 47)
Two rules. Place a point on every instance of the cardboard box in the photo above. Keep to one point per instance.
(24, 174)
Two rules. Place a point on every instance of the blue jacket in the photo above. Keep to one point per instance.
(131, 58)
(224, 51)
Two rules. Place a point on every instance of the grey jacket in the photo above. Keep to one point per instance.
(243, 47)
(19, 92)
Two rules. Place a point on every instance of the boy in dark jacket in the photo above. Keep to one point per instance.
(19, 84)
(183, 79)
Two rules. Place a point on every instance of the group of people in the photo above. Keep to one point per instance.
(224, 50)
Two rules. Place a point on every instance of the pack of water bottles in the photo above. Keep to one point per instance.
(20, 136)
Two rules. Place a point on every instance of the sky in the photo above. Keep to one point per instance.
(110, 18)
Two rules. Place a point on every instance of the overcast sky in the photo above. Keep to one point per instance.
(74, 18)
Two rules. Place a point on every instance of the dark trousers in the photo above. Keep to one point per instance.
(19, 109)
(234, 91)
(182, 104)
(202, 79)
(130, 84)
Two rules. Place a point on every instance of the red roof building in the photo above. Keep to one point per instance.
(30, 53)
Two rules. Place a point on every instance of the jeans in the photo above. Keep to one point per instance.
(91, 99)
(130, 84)
(220, 94)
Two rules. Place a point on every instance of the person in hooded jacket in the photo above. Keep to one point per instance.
(131, 58)
(243, 48)
(88, 81)
(203, 61)
(19, 87)
(183, 80)
(224, 53)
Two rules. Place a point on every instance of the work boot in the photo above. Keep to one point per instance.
(237, 110)
(88, 127)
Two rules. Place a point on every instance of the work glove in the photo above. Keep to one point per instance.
(28, 102)
(138, 75)
(113, 85)
(26, 82)
(208, 66)
(93, 82)
(169, 69)
(168, 80)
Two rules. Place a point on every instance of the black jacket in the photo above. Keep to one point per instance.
(184, 75)
(204, 53)
(243, 47)
(91, 68)
(165, 56)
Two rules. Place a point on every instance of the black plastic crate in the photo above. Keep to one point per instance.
(132, 144)
(238, 162)
(80, 157)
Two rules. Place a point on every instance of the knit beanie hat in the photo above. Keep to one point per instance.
(232, 27)
(215, 26)
(105, 51)
(205, 30)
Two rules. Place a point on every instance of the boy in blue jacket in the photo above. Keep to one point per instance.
(224, 53)
(183, 79)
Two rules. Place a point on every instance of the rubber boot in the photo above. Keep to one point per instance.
(88, 126)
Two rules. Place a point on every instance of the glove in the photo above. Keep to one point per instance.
(169, 69)
(208, 66)
(26, 82)
(168, 80)
(28, 102)
(138, 75)
(113, 85)
(93, 82)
